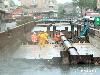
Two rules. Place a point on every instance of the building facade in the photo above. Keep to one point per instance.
(98, 4)
(27, 3)
(2, 12)
(6, 7)
(45, 8)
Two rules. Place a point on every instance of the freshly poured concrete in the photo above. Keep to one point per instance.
(87, 49)
(21, 61)
(37, 52)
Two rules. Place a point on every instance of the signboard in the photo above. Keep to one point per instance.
(97, 21)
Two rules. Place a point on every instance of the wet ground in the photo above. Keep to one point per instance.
(87, 49)
(28, 60)
(29, 67)
(36, 52)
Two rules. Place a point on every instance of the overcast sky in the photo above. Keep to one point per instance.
(59, 1)
(63, 1)
(17, 2)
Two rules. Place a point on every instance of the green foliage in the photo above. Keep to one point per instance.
(71, 14)
(85, 4)
(61, 11)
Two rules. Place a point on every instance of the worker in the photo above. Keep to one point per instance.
(34, 38)
(57, 38)
(39, 39)
(46, 37)
(43, 37)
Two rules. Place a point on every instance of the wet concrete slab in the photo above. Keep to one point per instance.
(27, 67)
(22, 62)
(87, 49)
(95, 41)
(37, 52)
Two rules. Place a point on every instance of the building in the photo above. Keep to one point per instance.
(98, 4)
(1, 4)
(40, 3)
(45, 8)
(6, 9)
(8, 5)
(2, 13)
(17, 13)
(27, 3)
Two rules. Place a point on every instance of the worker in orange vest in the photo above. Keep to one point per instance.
(34, 38)
(57, 38)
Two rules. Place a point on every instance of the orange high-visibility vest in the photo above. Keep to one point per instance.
(34, 38)
(57, 37)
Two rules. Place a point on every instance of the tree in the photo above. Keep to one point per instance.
(61, 11)
(85, 4)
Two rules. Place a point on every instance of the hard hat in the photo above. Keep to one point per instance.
(34, 32)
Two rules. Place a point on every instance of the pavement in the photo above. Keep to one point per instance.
(37, 52)
(31, 60)
(87, 49)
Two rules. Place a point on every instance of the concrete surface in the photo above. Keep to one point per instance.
(87, 49)
(21, 60)
(37, 52)
(27, 67)
(95, 41)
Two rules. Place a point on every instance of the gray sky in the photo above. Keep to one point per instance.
(17, 2)
(63, 1)
(59, 1)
